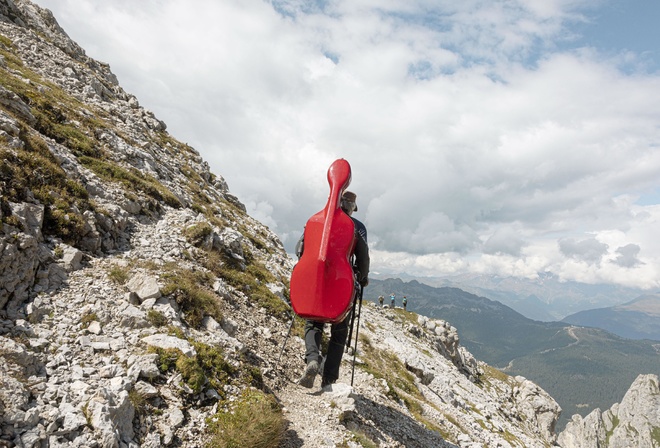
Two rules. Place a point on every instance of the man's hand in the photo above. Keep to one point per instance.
(364, 282)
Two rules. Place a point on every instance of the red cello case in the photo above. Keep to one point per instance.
(322, 282)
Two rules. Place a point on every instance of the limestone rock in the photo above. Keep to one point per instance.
(112, 416)
(537, 407)
(633, 422)
(145, 286)
(170, 342)
(71, 258)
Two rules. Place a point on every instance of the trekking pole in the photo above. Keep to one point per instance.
(286, 338)
(350, 329)
(357, 330)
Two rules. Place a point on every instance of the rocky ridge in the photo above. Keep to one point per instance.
(633, 422)
(141, 306)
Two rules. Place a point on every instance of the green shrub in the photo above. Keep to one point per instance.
(13, 221)
(167, 357)
(61, 220)
(58, 252)
(191, 372)
(213, 364)
(655, 434)
(363, 439)
(156, 318)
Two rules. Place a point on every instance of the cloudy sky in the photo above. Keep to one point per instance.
(507, 137)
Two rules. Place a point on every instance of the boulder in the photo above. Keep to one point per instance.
(145, 286)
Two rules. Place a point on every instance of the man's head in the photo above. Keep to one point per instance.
(348, 202)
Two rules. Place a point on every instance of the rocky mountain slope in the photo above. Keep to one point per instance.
(581, 368)
(140, 306)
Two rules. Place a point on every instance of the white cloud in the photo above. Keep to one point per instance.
(468, 130)
(505, 241)
(590, 251)
(627, 256)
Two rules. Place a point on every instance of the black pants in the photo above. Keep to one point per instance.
(338, 335)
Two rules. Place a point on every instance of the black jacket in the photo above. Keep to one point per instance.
(361, 253)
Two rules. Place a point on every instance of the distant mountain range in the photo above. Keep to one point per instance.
(544, 298)
(637, 319)
(582, 368)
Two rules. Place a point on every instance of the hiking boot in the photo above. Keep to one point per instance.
(307, 380)
(325, 382)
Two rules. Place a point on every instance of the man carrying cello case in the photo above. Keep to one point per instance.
(333, 256)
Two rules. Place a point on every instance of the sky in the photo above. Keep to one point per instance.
(502, 137)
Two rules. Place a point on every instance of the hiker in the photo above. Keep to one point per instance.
(405, 302)
(380, 300)
(329, 367)
(392, 300)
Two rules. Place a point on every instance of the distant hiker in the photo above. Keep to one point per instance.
(339, 332)
(405, 302)
(381, 299)
(392, 300)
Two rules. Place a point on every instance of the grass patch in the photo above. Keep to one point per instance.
(33, 169)
(454, 422)
(87, 319)
(119, 274)
(191, 294)
(406, 316)
(362, 439)
(138, 400)
(513, 440)
(491, 374)
(131, 178)
(52, 121)
(207, 367)
(401, 383)
(58, 115)
(615, 424)
(655, 435)
(253, 421)
(252, 281)
(191, 372)
(6, 42)
(213, 364)
(197, 233)
(87, 414)
(386, 365)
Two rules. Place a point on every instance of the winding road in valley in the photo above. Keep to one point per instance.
(571, 332)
